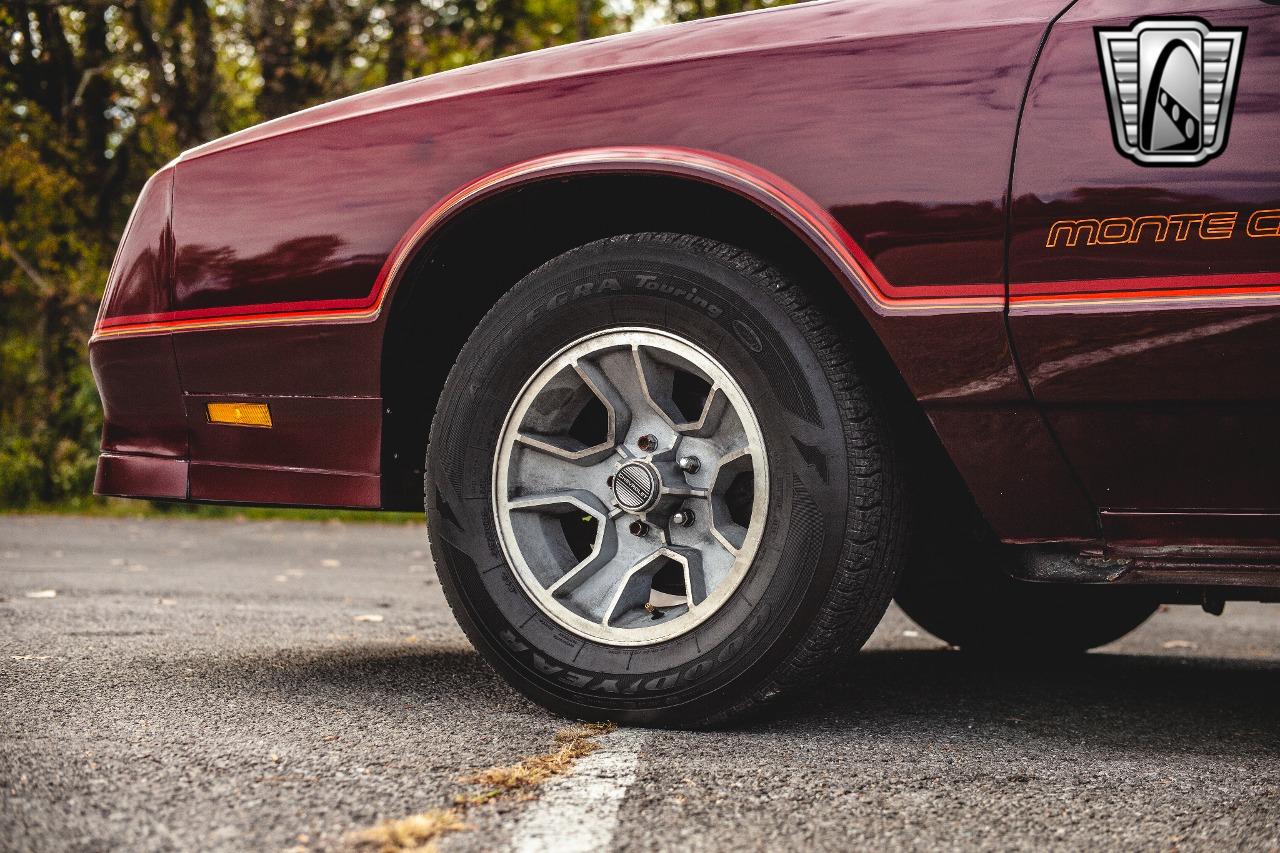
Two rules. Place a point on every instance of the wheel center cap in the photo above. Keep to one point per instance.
(636, 486)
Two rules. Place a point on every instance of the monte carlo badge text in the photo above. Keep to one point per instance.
(1170, 85)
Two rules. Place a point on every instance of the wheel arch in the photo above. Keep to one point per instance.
(471, 247)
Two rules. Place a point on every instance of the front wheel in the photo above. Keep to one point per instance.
(658, 490)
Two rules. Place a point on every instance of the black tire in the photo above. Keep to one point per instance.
(833, 537)
(963, 595)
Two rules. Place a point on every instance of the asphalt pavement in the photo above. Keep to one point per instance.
(224, 685)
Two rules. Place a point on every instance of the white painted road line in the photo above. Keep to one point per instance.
(578, 812)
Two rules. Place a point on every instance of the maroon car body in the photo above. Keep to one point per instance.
(1120, 396)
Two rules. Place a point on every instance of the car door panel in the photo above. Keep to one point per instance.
(1145, 299)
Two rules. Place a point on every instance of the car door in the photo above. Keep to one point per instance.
(1144, 262)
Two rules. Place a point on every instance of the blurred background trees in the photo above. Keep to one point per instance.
(96, 95)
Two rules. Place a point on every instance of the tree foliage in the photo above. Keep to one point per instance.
(97, 95)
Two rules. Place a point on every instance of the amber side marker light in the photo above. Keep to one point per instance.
(240, 414)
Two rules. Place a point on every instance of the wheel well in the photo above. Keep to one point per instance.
(478, 255)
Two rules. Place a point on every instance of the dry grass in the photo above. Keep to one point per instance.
(571, 744)
(415, 834)
(418, 833)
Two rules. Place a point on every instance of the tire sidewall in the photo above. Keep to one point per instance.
(722, 310)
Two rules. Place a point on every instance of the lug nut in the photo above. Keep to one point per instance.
(647, 443)
(689, 464)
(638, 528)
(682, 518)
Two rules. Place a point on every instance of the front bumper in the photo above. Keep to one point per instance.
(144, 432)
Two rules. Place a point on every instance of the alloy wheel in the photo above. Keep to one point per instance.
(630, 486)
